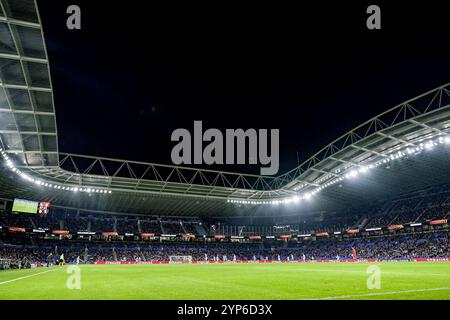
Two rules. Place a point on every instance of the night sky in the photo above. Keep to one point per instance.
(136, 72)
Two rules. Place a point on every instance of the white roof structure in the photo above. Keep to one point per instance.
(35, 168)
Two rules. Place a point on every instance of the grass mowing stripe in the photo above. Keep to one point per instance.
(380, 293)
(360, 271)
(28, 276)
(234, 282)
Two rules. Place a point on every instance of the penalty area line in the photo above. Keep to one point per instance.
(379, 294)
(28, 276)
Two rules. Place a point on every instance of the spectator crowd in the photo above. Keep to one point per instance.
(404, 247)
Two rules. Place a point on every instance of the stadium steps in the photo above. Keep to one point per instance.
(141, 255)
(389, 206)
(32, 222)
(420, 216)
(393, 221)
(363, 223)
(200, 230)
(446, 202)
(418, 205)
(183, 228)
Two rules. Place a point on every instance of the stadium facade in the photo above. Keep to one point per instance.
(401, 150)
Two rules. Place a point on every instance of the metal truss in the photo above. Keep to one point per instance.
(406, 124)
(29, 143)
(162, 175)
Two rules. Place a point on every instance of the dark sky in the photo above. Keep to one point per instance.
(136, 72)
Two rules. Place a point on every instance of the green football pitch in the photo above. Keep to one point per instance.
(428, 280)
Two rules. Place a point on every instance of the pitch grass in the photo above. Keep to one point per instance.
(429, 280)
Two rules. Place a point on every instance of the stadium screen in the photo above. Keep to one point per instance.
(25, 206)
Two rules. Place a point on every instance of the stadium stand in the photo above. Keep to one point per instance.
(114, 210)
(403, 210)
(398, 247)
(312, 238)
(149, 226)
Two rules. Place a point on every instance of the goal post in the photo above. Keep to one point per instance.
(180, 259)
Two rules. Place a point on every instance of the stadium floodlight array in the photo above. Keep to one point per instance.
(353, 173)
(52, 185)
(343, 174)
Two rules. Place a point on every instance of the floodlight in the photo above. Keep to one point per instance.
(429, 145)
(364, 169)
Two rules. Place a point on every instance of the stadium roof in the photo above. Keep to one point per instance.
(34, 167)
(27, 121)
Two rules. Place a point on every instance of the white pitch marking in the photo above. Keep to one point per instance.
(380, 293)
(358, 271)
(25, 277)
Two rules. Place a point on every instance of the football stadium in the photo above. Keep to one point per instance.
(365, 217)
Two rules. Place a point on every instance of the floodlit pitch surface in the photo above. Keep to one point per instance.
(405, 280)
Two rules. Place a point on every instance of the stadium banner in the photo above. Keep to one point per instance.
(59, 232)
(102, 262)
(147, 235)
(38, 231)
(352, 231)
(254, 238)
(373, 229)
(16, 229)
(437, 222)
(187, 236)
(285, 236)
(431, 259)
(418, 224)
(395, 227)
(322, 234)
(86, 233)
(219, 236)
(110, 234)
(131, 262)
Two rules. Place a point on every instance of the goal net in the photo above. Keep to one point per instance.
(180, 259)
